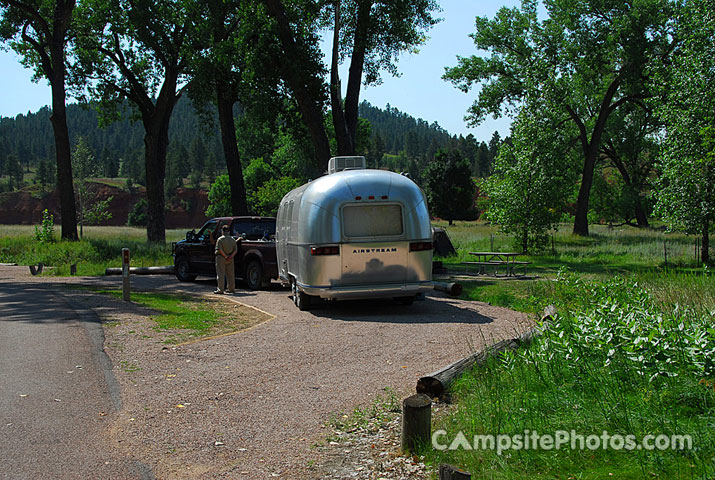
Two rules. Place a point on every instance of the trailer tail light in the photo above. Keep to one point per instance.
(420, 246)
(334, 250)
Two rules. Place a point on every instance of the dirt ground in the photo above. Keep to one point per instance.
(257, 404)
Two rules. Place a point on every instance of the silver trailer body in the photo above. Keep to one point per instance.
(355, 234)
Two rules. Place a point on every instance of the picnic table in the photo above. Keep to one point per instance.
(507, 260)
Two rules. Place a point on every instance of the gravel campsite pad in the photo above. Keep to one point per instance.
(258, 403)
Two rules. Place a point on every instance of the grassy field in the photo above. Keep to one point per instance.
(100, 248)
(632, 352)
(638, 254)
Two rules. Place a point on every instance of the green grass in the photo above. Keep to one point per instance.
(618, 359)
(177, 312)
(99, 249)
(606, 252)
(185, 317)
(632, 352)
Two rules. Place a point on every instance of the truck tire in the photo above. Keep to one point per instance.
(406, 300)
(183, 270)
(254, 275)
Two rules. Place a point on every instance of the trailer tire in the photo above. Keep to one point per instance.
(254, 275)
(183, 270)
(302, 301)
(406, 300)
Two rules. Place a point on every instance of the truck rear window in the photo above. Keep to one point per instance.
(372, 220)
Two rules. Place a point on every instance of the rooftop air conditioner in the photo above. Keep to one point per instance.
(338, 164)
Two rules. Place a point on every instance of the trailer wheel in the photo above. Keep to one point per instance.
(183, 270)
(254, 275)
(406, 300)
(302, 301)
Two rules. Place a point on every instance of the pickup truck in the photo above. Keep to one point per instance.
(255, 264)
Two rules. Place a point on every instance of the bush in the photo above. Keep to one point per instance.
(219, 198)
(269, 195)
(45, 233)
(138, 215)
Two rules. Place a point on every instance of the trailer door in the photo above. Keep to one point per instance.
(375, 251)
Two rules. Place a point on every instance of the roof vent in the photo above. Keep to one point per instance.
(338, 164)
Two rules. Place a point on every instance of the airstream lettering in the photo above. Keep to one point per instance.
(355, 233)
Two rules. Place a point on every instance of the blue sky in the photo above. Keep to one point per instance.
(419, 91)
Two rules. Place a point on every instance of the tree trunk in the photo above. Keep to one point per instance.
(310, 107)
(357, 64)
(156, 140)
(591, 151)
(345, 146)
(641, 217)
(68, 211)
(580, 226)
(225, 102)
(705, 252)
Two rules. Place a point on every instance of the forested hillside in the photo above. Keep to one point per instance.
(118, 147)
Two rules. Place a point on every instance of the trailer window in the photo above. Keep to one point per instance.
(372, 220)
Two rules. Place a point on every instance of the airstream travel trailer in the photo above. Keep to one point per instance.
(354, 234)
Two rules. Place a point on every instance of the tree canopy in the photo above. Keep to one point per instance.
(583, 62)
(686, 197)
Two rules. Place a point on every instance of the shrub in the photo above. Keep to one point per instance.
(138, 214)
(45, 232)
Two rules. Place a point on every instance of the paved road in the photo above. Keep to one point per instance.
(57, 393)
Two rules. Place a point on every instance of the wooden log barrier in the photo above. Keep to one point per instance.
(436, 383)
(448, 472)
(416, 422)
(166, 270)
(452, 288)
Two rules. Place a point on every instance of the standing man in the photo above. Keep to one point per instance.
(226, 249)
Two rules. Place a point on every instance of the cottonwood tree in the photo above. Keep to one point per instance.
(301, 68)
(140, 50)
(448, 185)
(586, 59)
(631, 146)
(39, 31)
(686, 196)
(373, 34)
(531, 180)
(91, 210)
(237, 67)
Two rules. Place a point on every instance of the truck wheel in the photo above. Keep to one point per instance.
(406, 300)
(183, 270)
(254, 275)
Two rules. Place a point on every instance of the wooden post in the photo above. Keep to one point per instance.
(553, 248)
(416, 422)
(73, 269)
(448, 472)
(125, 275)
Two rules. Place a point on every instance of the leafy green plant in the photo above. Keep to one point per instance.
(613, 359)
(138, 214)
(45, 232)
(219, 198)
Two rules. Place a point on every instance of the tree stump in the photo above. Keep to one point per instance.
(448, 472)
(416, 421)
